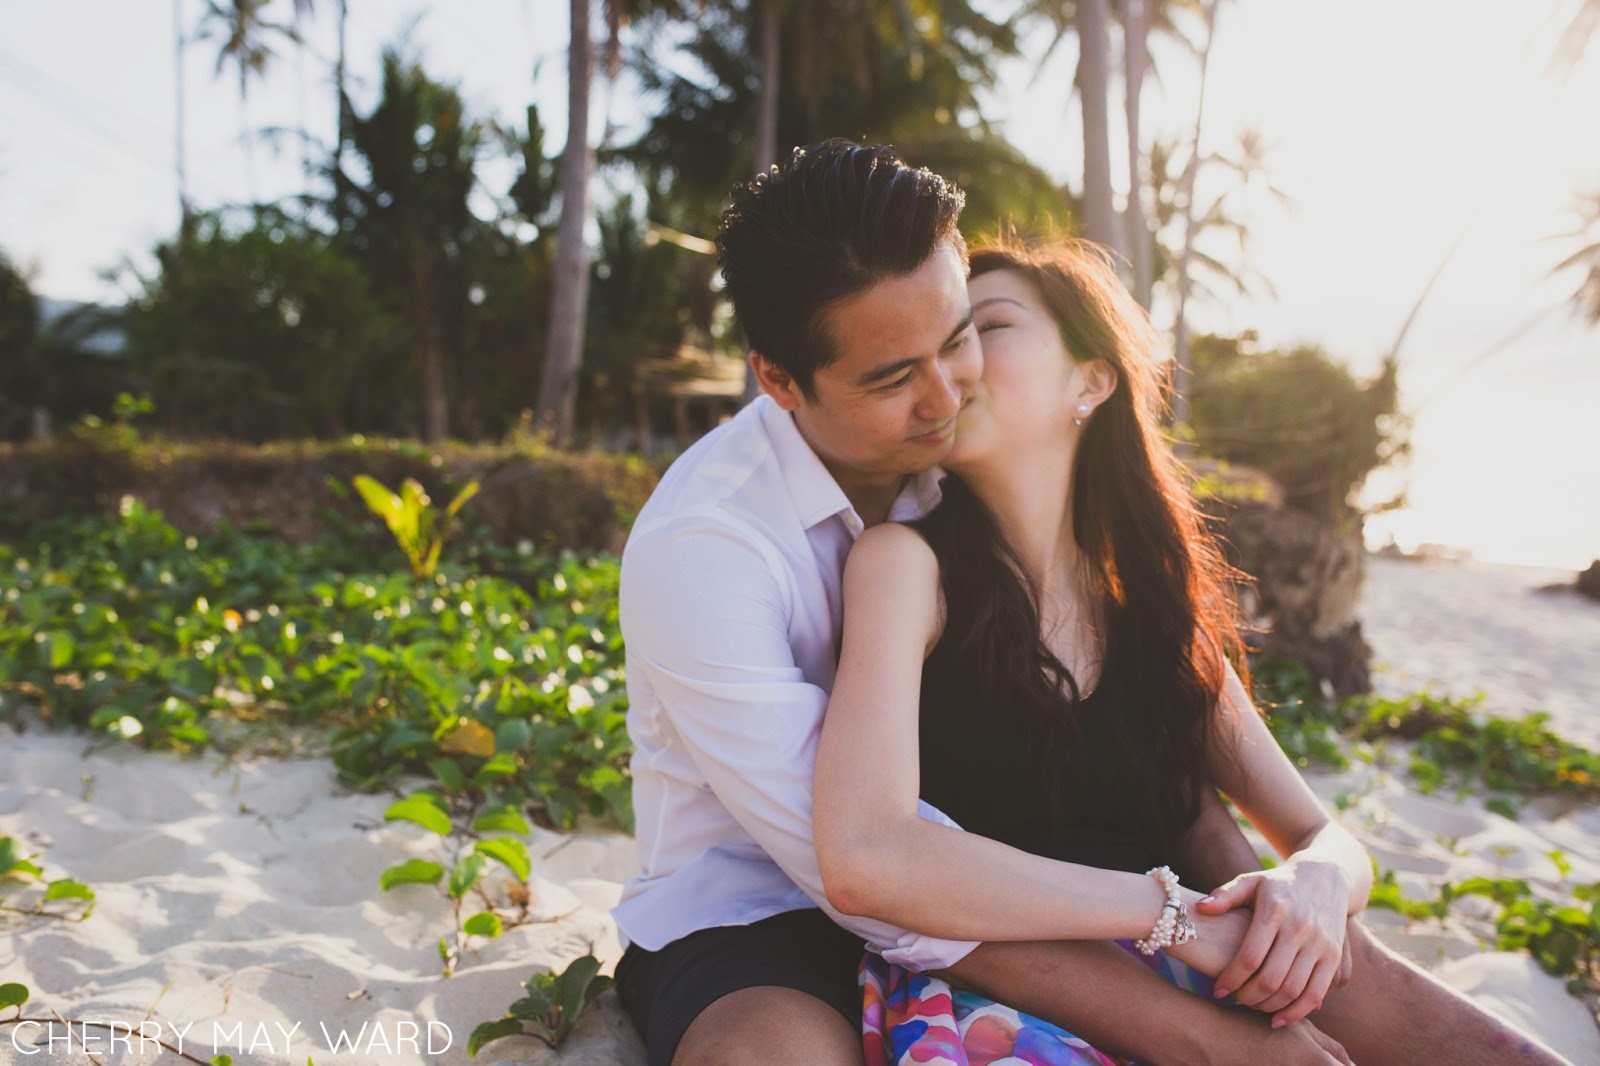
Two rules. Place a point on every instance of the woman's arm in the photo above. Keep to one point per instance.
(1294, 949)
(878, 858)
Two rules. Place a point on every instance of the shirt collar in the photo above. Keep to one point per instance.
(816, 495)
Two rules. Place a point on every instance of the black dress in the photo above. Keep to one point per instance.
(1023, 776)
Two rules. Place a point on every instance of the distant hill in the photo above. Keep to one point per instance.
(99, 338)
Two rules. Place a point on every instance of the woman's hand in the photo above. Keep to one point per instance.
(1294, 951)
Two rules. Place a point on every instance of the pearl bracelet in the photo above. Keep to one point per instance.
(1174, 927)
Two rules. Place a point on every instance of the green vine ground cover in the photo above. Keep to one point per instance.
(501, 677)
(498, 677)
(1450, 743)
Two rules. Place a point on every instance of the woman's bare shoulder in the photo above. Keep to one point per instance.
(895, 550)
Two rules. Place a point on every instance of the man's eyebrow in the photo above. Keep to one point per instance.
(885, 371)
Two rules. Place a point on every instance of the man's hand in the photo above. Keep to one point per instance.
(1302, 1044)
(1295, 949)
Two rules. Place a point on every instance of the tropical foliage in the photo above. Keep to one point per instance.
(420, 285)
(1297, 415)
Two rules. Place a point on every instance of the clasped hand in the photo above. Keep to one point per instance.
(1276, 938)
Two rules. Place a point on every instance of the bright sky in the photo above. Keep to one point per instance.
(1397, 126)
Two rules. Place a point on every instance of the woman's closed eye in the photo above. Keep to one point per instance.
(993, 324)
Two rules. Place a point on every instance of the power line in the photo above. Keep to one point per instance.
(1488, 353)
(82, 114)
(85, 104)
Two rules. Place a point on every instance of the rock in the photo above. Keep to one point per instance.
(1588, 583)
(1306, 591)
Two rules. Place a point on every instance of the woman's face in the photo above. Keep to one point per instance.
(1029, 385)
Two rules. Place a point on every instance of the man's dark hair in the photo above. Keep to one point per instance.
(833, 221)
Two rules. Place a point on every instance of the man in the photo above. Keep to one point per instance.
(847, 272)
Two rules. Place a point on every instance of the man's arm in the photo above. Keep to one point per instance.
(1214, 851)
(704, 612)
(1098, 992)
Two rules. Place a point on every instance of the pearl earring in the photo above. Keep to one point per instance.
(1083, 412)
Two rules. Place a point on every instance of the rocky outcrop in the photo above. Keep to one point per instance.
(1305, 591)
(1588, 583)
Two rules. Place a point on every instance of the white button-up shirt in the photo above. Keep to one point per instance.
(731, 613)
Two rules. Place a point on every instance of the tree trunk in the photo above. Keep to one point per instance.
(766, 124)
(1135, 59)
(1181, 376)
(426, 319)
(178, 125)
(342, 129)
(569, 290)
(767, 119)
(1094, 76)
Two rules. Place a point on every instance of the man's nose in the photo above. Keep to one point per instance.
(945, 392)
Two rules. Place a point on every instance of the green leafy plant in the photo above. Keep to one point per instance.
(1455, 739)
(130, 628)
(418, 527)
(550, 1009)
(1452, 740)
(1563, 936)
(1302, 719)
(472, 852)
(18, 871)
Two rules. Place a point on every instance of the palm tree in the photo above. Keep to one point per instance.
(410, 224)
(245, 41)
(1576, 38)
(1135, 59)
(1140, 21)
(1587, 257)
(1094, 81)
(179, 123)
(1180, 345)
(569, 288)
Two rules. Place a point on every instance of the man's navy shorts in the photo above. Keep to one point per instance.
(664, 991)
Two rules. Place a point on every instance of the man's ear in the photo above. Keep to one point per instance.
(775, 382)
(1099, 381)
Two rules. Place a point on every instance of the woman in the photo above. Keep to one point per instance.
(1054, 640)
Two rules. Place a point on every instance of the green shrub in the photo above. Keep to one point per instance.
(131, 628)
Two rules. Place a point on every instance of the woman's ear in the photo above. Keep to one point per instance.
(1099, 382)
(775, 382)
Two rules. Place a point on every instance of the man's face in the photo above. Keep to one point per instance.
(907, 360)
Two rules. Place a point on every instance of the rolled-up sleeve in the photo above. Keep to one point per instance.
(705, 609)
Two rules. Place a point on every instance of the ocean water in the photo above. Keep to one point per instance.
(1506, 465)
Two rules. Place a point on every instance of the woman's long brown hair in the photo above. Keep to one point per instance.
(1160, 586)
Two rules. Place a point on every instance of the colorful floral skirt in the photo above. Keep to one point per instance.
(911, 1019)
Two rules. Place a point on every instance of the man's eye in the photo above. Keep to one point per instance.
(897, 383)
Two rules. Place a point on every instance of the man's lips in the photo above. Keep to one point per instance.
(937, 434)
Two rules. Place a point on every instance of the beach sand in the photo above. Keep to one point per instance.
(240, 898)
(1461, 628)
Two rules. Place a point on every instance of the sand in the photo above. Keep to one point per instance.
(248, 891)
(1470, 627)
(240, 897)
